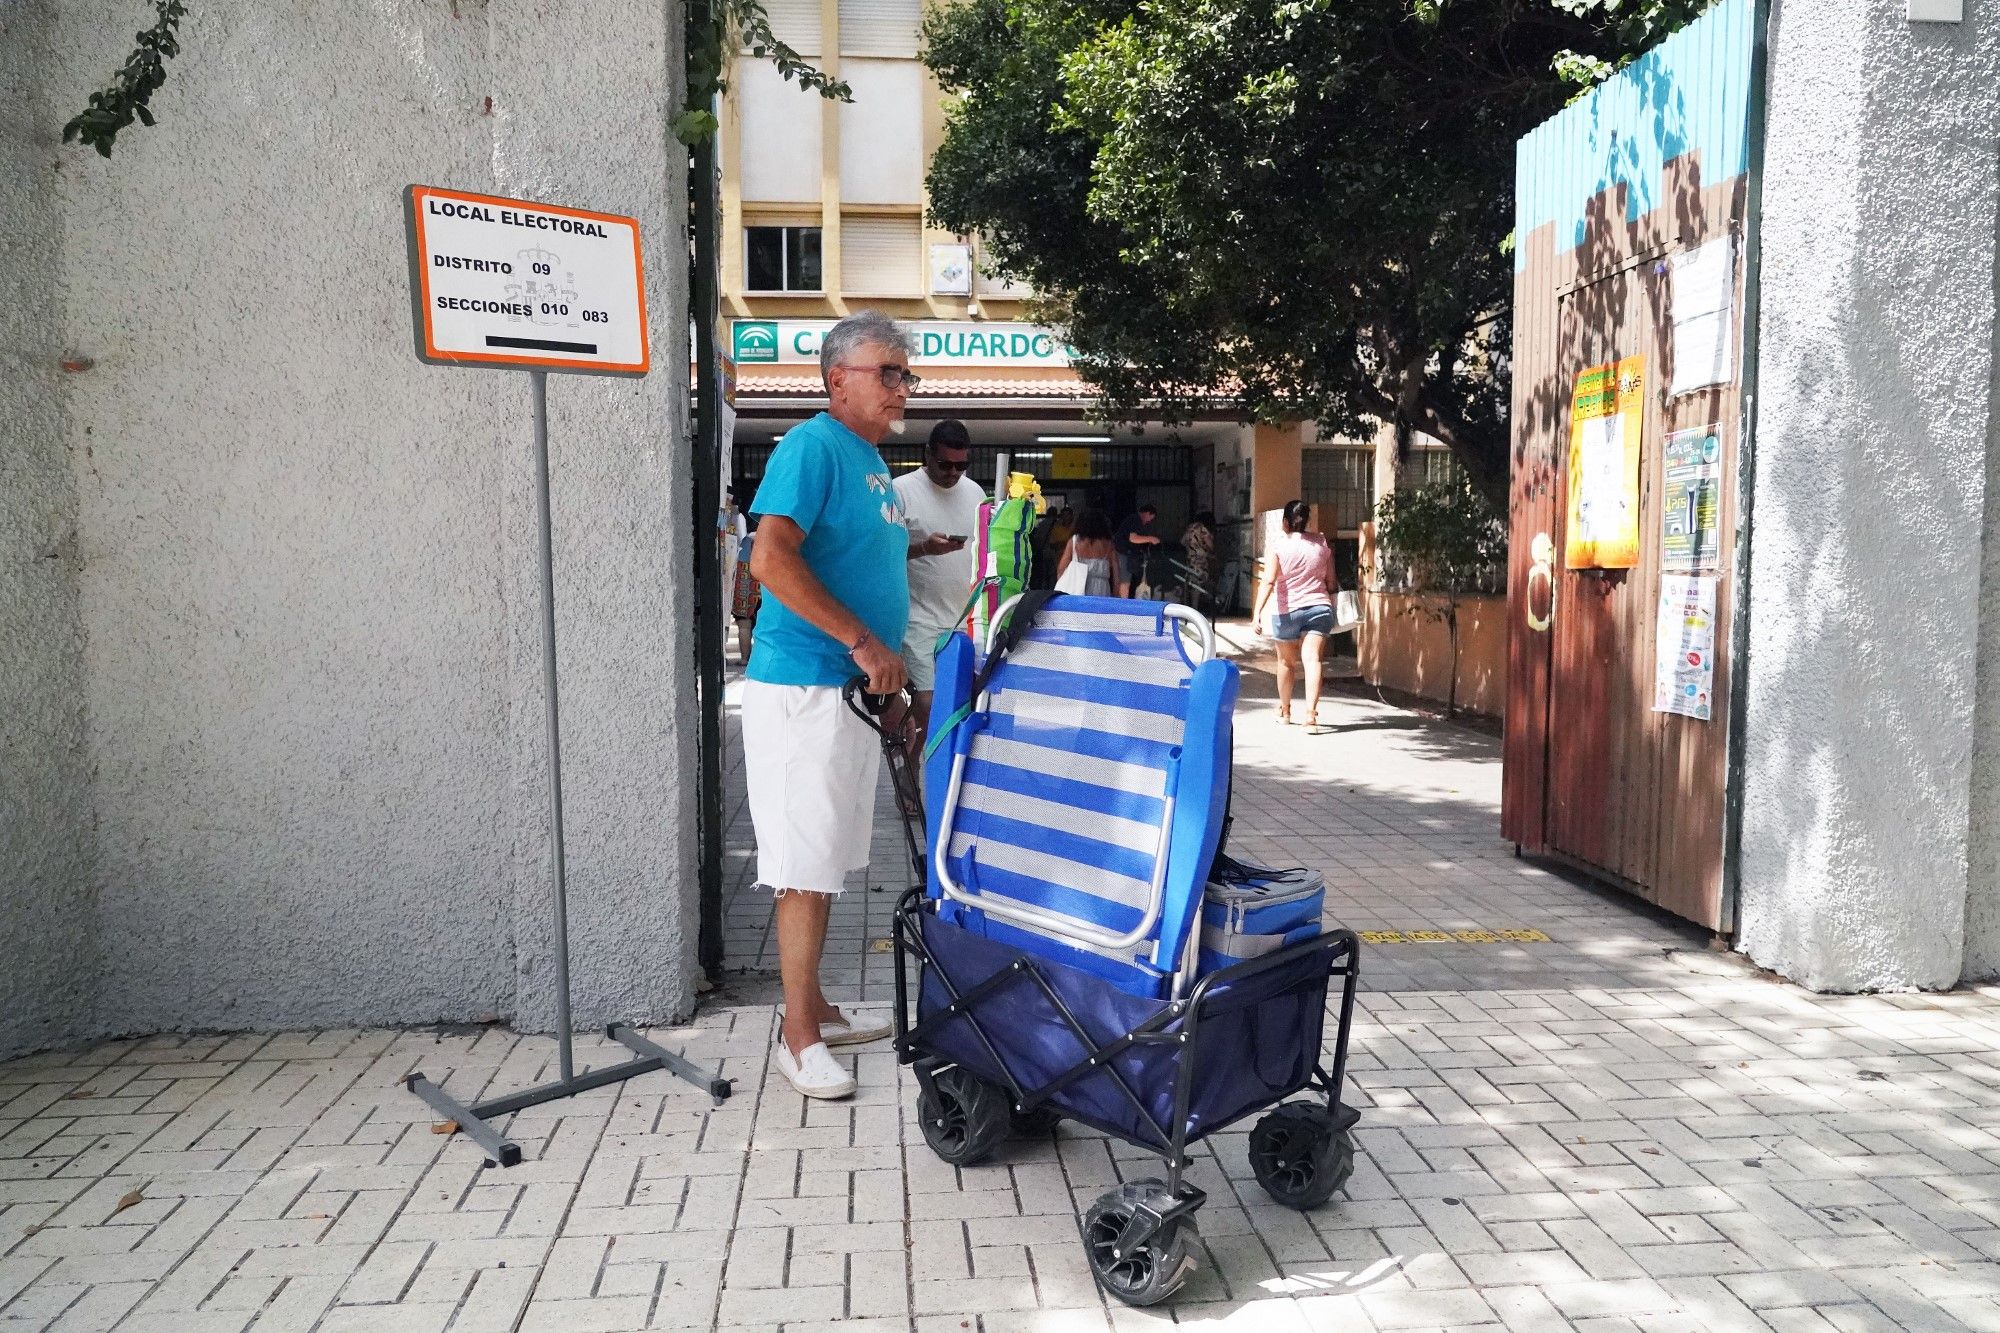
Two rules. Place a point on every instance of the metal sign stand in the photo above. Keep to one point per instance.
(472, 1119)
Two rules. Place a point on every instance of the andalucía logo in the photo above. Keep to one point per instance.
(756, 340)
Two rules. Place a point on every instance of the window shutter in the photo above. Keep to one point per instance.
(881, 133)
(780, 136)
(880, 27)
(879, 256)
(796, 24)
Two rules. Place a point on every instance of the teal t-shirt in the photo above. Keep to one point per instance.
(835, 486)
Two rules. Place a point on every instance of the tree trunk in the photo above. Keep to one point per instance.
(1451, 630)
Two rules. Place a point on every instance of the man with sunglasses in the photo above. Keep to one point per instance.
(831, 554)
(941, 506)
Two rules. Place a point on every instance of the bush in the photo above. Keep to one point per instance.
(1441, 542)
(1443, 539)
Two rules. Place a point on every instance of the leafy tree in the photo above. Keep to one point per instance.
(1303, 206)
(1441, 543)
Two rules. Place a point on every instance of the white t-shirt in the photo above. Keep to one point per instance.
(939, 584)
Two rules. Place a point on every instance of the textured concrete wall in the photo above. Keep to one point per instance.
(308, 571)
(46, 970)
(1872, 450)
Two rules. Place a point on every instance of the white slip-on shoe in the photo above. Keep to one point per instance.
(815, 1073)
(852, 1031)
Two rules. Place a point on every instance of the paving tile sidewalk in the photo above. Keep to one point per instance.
(1611, 1130)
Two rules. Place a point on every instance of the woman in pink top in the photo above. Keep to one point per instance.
(1298, 572)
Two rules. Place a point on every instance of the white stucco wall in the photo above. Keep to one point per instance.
(46, 916)
(311, 686)
(1874, 428)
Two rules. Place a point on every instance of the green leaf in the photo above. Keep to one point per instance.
(144, 73)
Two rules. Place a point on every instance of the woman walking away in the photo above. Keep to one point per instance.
(1298, 571)
(1090, 547)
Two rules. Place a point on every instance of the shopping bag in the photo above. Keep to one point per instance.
(1076, 578)
(1346, 611)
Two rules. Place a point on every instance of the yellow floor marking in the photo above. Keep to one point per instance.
(1511, 935)
(881, 946)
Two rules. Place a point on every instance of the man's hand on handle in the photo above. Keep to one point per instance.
(882, 665)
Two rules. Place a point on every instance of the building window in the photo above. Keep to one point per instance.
(796, 23)
(779, 131)
(880, 27)
(781, 259)
(882, 133)
(882, 256)
(1342, 480)
(1428, 467)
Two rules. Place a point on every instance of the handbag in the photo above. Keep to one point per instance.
(1346, 611)
(1076, 578)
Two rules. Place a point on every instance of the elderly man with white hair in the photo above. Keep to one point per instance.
(830, 553)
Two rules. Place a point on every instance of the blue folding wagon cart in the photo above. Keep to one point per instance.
(1083, 950)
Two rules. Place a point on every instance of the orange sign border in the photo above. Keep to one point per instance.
(420, 289)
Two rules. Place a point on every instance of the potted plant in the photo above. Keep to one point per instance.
(1440, 543)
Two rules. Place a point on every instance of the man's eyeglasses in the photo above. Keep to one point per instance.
(946, 465)
(894, 377)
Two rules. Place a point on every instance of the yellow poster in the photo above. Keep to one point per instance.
(1070, 465)
(1604, 444)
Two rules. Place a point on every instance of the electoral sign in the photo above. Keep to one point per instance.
(515, 284)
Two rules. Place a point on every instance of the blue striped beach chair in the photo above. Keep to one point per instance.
(1077, 810)
(1077, 789)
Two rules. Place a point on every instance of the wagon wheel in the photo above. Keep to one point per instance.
(964, 1117)
(1300, 1156)
(1149, 1272)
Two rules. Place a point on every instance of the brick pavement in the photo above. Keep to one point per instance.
(1612, 1130)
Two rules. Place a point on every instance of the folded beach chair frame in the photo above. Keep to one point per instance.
(1009, 1032)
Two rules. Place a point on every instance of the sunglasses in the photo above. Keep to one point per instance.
(893, 376)
(946, 465)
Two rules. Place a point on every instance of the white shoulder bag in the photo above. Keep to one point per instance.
(1075, 579)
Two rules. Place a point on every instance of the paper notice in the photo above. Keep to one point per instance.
(1684, 647)
(1691, 501)
(1703, 304)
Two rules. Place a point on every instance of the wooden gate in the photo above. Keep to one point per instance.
(1595, 775)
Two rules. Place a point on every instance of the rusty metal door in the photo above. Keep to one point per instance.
(1601, 645)
(1634, 795)
(1653, 162)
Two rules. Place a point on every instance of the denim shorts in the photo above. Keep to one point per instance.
(1293, 625)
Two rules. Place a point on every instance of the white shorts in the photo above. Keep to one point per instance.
(920, 654)
(811, 767)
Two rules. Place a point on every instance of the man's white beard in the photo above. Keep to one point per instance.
(896, 426)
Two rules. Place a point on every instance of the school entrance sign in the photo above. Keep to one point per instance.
(519, 285)
(937, 342)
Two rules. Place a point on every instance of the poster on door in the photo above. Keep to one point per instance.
(1684, 647)
(1691, 501)
(1605, 419)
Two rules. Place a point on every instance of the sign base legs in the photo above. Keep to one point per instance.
(502, 1151)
